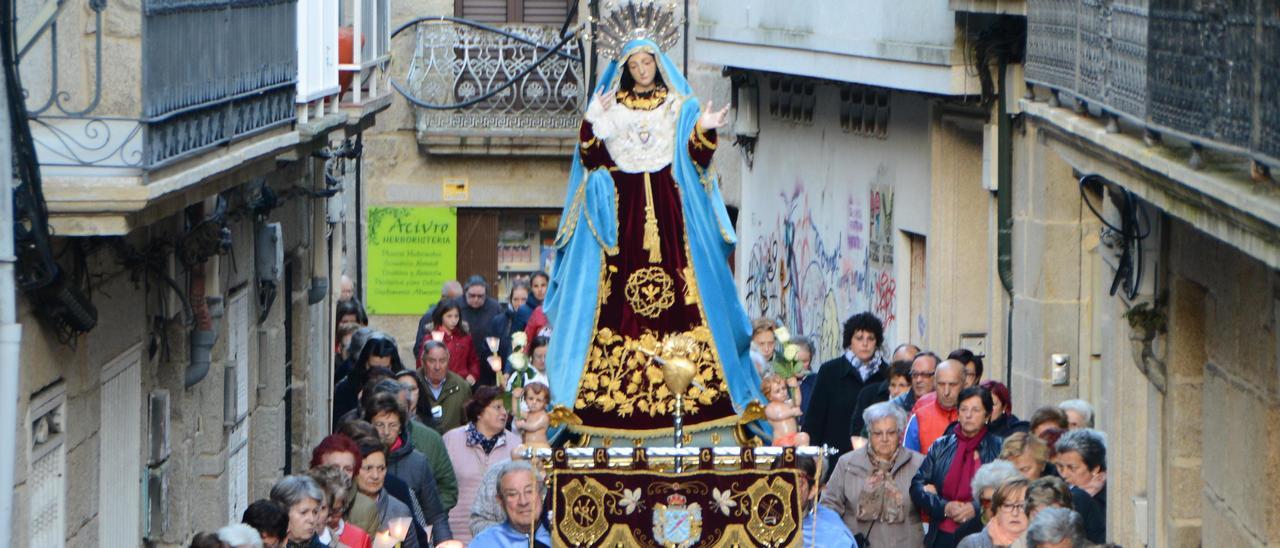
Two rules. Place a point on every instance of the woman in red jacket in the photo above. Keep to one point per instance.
(448, 328)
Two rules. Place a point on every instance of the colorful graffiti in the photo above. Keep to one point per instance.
(812, 271)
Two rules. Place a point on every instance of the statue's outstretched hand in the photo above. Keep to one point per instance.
(606, 99)
(713, 119)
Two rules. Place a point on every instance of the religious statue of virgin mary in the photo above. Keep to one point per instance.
(642, 252)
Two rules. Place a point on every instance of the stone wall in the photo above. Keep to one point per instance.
(1191, 428)
(137, 312)
(962, 291)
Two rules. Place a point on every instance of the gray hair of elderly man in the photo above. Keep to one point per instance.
(290, 490)
(487, 509)
(1053, 525)
(992, 474)
(884, 410)
(239, 535)
(1084, 408)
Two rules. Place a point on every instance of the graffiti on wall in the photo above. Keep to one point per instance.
(880, 253)
(812, 266)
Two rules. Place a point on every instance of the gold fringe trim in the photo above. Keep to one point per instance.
(651, 240)
(730, 420)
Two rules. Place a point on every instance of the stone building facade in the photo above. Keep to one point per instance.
(1181, 358)
(208, 234)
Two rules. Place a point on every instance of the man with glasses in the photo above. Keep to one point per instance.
(520, 497)
(478, 310)
(922, 368)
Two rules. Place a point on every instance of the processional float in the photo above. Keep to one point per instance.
(650, 340)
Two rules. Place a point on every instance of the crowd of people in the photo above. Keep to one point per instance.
(421, 454)
(929, 453)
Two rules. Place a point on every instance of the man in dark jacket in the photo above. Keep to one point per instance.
(478, 309)
(841, 379)
(385, 412)
(503, 324)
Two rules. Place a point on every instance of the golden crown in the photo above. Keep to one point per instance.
(627, 20)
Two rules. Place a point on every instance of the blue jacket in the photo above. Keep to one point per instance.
(933, 471)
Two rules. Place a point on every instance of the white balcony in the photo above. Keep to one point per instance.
(912, 45)
(364, 61)
(317, 100)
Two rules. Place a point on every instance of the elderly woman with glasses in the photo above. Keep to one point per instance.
(989, 478)
(1009, 521)
(869, 486)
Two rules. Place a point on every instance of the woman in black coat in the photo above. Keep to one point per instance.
(942, 485)
(1003, 422)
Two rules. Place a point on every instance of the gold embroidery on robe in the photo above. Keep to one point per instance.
(620, 378)
(650, 291)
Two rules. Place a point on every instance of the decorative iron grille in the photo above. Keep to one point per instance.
(454, 63)
(213, 71)
(1205, 70)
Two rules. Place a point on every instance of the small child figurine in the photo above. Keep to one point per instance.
(782, 413)
(533, 427)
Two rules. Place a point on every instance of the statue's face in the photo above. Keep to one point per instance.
(642, 67)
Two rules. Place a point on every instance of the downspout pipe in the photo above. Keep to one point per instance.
(204, 334)
(10, 330)
(1004, 204)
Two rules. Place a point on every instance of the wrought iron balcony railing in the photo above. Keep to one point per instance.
(1207, 72)
(211, 72)
(539, 114)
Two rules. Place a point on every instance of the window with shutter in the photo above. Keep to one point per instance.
(540, 12)
(47, 487)
(551, 12)
(484, 11)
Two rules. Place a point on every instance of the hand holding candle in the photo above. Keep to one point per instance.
(383, 540)
(398, 528)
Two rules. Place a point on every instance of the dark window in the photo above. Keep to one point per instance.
(550, 12)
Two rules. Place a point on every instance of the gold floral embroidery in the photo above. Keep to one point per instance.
(620, 378)
(690, 285)
(650, 291)
(606, 284)
(642, 101)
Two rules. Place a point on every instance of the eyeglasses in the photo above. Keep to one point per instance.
(1014, 507)
(921, 374)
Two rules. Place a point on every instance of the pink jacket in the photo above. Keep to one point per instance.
(470, 465)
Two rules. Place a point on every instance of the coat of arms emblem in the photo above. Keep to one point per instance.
(675, 524)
